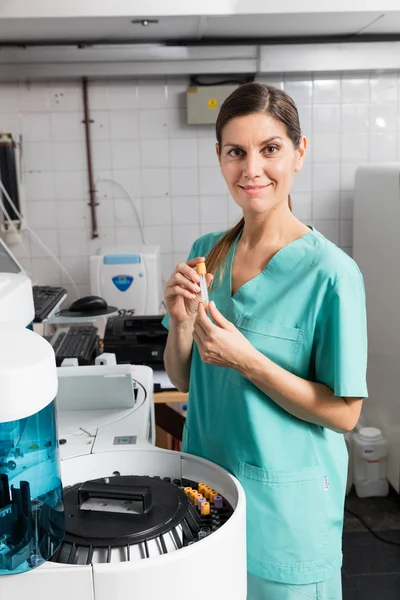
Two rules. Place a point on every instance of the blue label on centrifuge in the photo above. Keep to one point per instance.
(122, 282)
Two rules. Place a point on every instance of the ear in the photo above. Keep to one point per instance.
(300, 154)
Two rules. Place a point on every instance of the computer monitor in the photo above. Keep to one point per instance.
(8, 262)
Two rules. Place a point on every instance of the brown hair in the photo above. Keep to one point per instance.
(248, 99)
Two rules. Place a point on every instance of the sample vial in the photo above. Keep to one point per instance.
(201, 271)
(218, 502)
(195, 497)
(205, 508)
(207, 491)
(200, 501)
(201, 487)
(213, 494)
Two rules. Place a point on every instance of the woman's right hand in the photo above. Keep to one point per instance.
(182, 291)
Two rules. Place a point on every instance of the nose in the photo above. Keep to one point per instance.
(253, 166)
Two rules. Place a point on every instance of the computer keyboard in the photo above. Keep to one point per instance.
(75, 342)
(45, 298)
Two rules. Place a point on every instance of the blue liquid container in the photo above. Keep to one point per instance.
(32, 523)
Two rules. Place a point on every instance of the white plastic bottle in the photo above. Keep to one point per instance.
(370, 450)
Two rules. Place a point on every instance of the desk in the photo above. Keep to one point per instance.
(169, 422)
(172, 396)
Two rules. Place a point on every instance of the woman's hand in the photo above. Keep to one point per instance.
(221, 344)
(182, 291)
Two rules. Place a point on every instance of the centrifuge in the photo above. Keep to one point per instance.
(132, 520)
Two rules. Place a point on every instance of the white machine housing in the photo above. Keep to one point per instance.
(106, 427)
(106, 435)
(376, 249)
(16, 299)
(8, 262)
(103, 408)
(128, 278)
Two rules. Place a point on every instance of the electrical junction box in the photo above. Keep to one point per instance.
(204, 102)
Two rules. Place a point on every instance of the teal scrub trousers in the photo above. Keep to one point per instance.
(262, 589)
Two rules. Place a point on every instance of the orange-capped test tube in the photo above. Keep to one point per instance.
(201, 272)
(195, 497)
(201, 487)
(192, 494)
(187, 490)
(207, 492)
(205, 508)
(213, 494)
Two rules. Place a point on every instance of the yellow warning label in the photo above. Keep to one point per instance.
(212, 103)
(33, 447)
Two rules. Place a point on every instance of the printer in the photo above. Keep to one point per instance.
(136, 340)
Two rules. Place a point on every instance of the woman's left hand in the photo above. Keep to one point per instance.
(220, 344)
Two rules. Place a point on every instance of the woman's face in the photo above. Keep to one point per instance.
(258, 161)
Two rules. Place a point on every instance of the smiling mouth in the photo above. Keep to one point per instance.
(254, 187)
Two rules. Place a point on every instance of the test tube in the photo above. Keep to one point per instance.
(200, 501)
(206, 492)
(195, 498)
(213, 494)
(218, 502)
(205, 508)
(201, 487)
(201, 272)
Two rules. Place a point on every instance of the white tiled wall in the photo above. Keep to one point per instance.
(143, 152)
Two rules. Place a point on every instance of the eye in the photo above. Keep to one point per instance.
(272, 149)
(235, 152)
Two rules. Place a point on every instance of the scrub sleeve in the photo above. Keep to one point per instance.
(340, 342)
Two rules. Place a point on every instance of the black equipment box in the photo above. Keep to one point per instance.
(136, 340)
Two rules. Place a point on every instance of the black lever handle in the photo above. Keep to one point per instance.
(109, 491)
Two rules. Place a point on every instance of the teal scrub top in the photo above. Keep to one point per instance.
(306, 312)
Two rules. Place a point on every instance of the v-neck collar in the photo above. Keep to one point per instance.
(275, 261)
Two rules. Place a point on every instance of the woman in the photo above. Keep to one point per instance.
(276, 371)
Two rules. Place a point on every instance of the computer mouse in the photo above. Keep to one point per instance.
(88, 304)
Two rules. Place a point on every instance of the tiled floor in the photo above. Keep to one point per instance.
(371, 568)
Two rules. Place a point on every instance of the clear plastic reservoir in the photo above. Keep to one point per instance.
(32, 522)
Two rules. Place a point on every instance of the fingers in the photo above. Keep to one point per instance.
(179, 285)
(184, 277)
(218, 318)
(185, 283)
(199, 341)
(193, 261)
(203, 323)
(187, 271)
(177, 290)
(198, 335)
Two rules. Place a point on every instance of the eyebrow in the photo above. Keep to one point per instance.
(268, 141)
